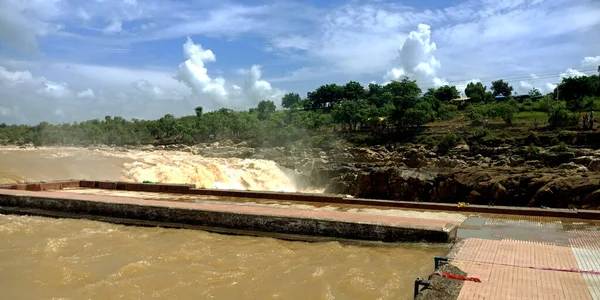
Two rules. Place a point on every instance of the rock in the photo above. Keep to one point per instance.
(572, 166)
(534, 163)
(498, 191)
(594, 165)
(445, 162)
(583, 160)
(474, 197)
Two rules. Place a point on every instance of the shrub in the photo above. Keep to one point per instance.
(447, 142)
(533, 150)
(562, 147)
(506, 111)
(477, 113)
(478, 133)
(447, 111)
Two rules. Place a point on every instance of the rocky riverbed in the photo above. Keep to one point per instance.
(496, 175)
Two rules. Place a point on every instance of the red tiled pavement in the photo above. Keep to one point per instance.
(503, 267)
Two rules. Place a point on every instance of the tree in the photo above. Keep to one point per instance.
(198, 111)
(535, 93)
(505, 110)
(405, 88)
(265, 109)
(574, 89)
(353, 91)
(476, 91)
(325, 96)
(290, 100)
(501, 87)
(446, 93)
(347, 113)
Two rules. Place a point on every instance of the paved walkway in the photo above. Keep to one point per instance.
(509, 267)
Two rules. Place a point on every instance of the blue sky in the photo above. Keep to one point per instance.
(67, 60)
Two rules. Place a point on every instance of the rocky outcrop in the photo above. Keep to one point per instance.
(566, 188)
(498, 174)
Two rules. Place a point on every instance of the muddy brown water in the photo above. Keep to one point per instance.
(45, 258)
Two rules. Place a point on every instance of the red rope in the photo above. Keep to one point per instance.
(572, 270)
(458, 277)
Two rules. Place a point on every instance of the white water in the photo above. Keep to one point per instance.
(18, 165)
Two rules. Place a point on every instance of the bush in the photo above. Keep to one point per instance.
(562, 147)
(474, 147)
(447, 111)
(428, 141)
(533, 150)
(478, 133)
(506, 111)
(558, 115)
(477, 113)
(448, 141)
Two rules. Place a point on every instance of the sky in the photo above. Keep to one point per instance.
(67, 60)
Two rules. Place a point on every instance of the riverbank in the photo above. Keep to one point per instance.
(514, 166)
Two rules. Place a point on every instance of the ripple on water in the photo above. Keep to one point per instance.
(85, 259)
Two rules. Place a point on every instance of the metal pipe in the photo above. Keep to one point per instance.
(437, 260)
(418, 283)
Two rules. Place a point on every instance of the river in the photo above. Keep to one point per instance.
(44, 258)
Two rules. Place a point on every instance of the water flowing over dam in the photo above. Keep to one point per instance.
(20, 165)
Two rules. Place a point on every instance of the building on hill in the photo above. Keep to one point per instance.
(461, 103)
(524, 97)
(500, 97)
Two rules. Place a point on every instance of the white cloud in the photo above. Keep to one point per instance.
(572, 73)
(87, 93)
(114, 27)
(417, 60)
(215, 92)
(590, 62)
(354, 41)
(78, 92)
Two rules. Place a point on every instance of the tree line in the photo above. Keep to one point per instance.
(397, 106)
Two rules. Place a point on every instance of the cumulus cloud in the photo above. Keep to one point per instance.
(114, 27)
(216, 92)
(591, 62)
(30, 99)
(417, 60)
(81, 92)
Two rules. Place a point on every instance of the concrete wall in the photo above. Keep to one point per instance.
(319, 198)
(51, 206)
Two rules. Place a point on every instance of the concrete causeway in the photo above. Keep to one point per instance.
(518, 253)
(335, 224)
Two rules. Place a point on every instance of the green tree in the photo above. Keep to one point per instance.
(575, 89)
(347, 113)
(353, 91)
(265, 109)
(446, 93)
(535, 93)
(198, 111)
(325, 96)
(290, 100)
(405, 88)
(505, 110)
(501, 87)
(476, 91)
